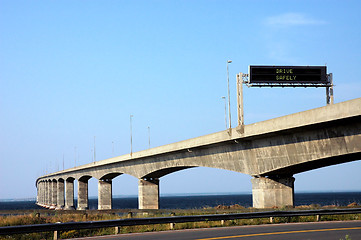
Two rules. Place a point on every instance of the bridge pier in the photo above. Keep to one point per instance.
(47, 194)
(53, 192)
(148, 193)
(42, 193)
(60, 201)
(69, 194)
(38, 196)
(105, 194)
(273, 191)
(83, 194)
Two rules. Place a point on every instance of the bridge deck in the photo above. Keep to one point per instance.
(322, 115)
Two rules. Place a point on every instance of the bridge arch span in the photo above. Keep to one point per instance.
(111, 175)
(316, 164)
(70, 179)
(164, 171)
(271, 151)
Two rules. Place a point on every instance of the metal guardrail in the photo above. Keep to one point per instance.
(56, 227)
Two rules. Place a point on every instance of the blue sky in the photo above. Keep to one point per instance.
(72, 70)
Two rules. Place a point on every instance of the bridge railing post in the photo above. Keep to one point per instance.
(172, 225)
(56, 235)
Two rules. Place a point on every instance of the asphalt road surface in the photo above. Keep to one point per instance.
(293, 231)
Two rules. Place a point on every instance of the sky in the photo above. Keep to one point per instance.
(72, 73)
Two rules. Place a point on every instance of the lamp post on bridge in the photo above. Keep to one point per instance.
(229, 100)
(75, 156)
(113, 148)
(131, 136)
(148, 137)
(225, 111)
(94, 151)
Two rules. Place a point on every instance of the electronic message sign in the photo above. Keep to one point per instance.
(285, 75)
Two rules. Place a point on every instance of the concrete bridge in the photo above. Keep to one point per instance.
(271, 151)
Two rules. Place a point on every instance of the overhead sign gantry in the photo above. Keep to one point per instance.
(288, 76)
(283, 76)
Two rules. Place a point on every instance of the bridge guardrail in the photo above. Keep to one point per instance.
(56, 227)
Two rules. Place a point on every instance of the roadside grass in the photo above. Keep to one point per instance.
(347, 237)
(75, 216)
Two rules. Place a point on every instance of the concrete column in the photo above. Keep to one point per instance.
(45, 194)
(60, 201)
(37, 193)
(41, 193)
(273, 191)
(105, 194)
(48, 194)
(54, 191)
(148, 193)
(38, 188)
(83, 194)
(69, 194)
(44, 197)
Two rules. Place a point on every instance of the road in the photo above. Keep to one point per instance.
(295, 231)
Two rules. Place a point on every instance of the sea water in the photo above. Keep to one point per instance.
(203, 200)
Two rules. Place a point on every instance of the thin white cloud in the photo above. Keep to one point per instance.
(292, 19)
(280, 41)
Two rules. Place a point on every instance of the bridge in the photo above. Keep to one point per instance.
(271, 151)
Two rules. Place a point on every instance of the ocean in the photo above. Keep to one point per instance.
(201, 201)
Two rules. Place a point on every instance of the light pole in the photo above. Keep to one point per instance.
(149, 136)
(94, 151)
(75, 156)
(131, 136)
(113, 148)
(225, 111)
(229, 100)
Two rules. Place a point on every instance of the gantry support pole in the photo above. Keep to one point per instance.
(329, 90)
(240, 127)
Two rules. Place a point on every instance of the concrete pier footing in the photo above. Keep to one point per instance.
(48, 194)
(41, 193)
(53, 187)
(148, 193)
(60, 202)
(69, 194)
(83, 194)
(275, 191)
(105, 194)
